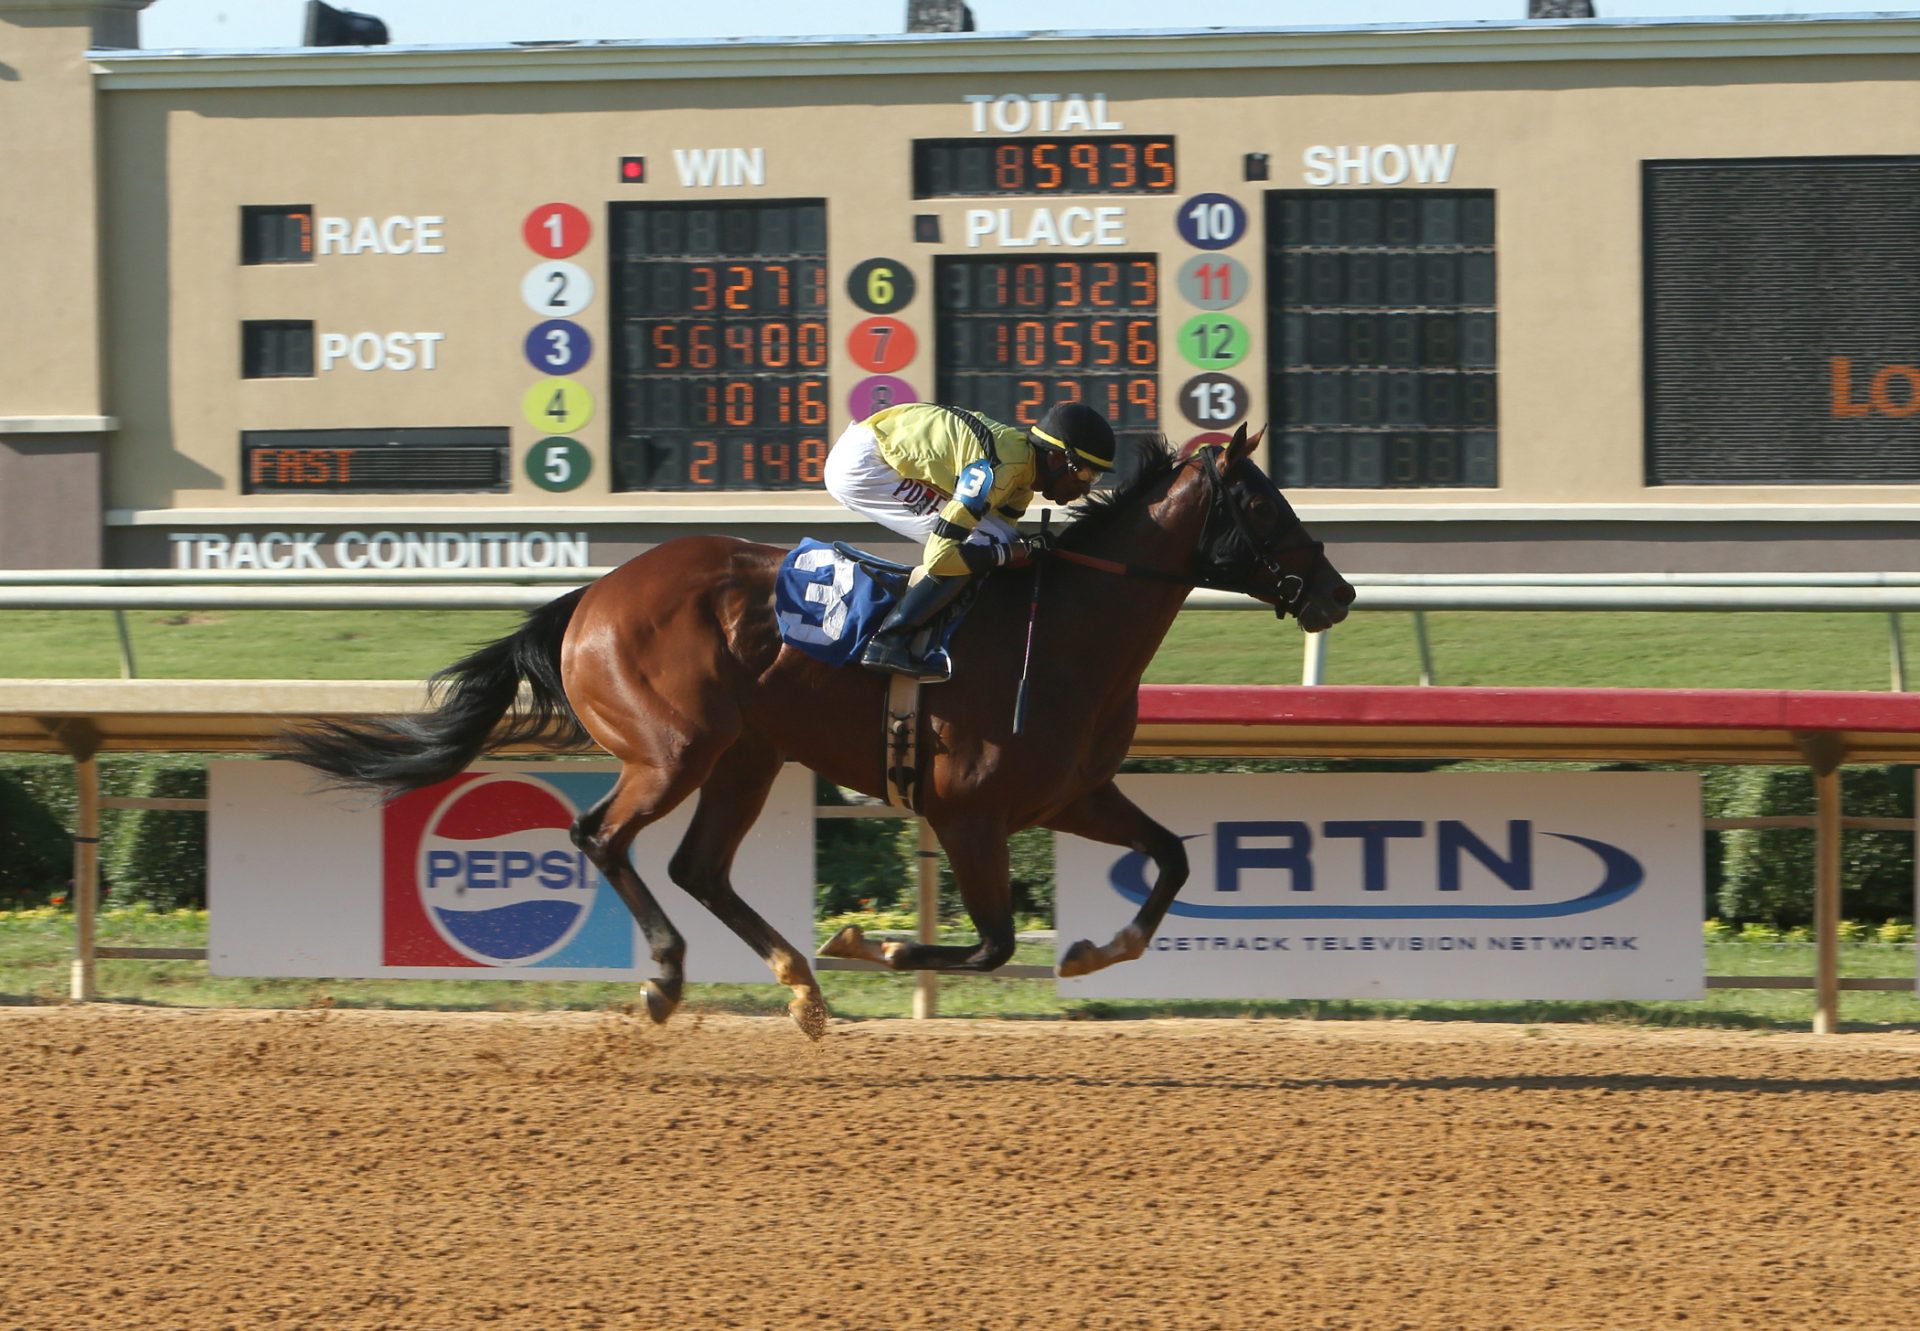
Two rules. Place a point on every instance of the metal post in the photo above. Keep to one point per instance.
(1899, 649)
(86, 874)
(926, 984)
(1826, 902)
(128, 668)
(1426, 648)
(1313, 666)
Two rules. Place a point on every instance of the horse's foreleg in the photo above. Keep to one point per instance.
(977, 849)
(730, 801)
(1107, 816)
(606, 832)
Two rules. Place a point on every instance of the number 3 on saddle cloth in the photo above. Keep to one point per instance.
(829, 599)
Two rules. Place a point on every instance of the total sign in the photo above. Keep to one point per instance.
(475, 878)
(1443, 885)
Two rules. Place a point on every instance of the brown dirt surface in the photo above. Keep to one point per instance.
(203, 1170)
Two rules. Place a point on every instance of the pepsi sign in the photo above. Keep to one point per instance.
(480, 871)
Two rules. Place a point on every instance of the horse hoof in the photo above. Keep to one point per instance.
(846, 943)
(809, 1013)
(660, 1004)
(1078, 961)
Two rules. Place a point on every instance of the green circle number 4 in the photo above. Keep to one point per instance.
(1213, 341)
(558, 464)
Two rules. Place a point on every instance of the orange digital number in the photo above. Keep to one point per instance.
(1125, 165)
(777, 461)
(1030, 342)
(784, 281)
(776, 344)
(707, 408)
(739, 404)
(706, 288)
(1070, 342)
(811, 339)
(1046, 162)
(1085, 158)
(1145, 394)
(1006, 166)
(813, 402)
(700, 471)
(1143, 286)
(1066, 285)
(746, 459)
(740, 288)
(818, 282)
(1106, 346)
(666, 351)
(1033, 397)
(1106, 281)
(1160, 165)
(703, 351)
(739, 339)
(1142, 349)
(813, 461)
(1030, 284)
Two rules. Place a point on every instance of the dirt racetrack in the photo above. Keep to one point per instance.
(203, 1170)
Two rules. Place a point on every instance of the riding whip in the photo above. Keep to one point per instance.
(1033, 614)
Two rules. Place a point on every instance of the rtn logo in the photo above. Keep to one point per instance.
(1290, 852)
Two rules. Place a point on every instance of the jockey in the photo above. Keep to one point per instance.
(958, 482)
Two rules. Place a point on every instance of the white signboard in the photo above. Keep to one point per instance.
(472, 879)
(1443, 885)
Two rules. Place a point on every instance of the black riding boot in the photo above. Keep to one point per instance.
(891, 647)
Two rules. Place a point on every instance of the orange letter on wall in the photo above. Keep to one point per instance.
(1883, 401)
(1843, 403)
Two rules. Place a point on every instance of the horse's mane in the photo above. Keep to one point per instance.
(1145, 465)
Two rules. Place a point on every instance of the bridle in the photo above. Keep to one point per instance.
(1237, 538)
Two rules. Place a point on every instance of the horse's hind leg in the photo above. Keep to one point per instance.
(606, 832)
(730, 801)
(977, 849)
(1107, 816)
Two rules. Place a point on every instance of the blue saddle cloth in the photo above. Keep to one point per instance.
(828, 604)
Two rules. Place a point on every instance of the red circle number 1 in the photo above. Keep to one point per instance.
(556, 230)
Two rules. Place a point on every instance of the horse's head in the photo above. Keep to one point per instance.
(1255, 543)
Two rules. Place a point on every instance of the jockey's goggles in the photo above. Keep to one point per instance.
(1085, 464)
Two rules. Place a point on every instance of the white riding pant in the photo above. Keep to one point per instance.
(862, 480)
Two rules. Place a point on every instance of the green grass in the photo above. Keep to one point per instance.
(36, 946)
(1623, 649)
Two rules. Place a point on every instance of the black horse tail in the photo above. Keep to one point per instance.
(471, 696)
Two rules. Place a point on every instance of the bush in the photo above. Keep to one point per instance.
(36, 856)
(158, 856)
(1768, 875)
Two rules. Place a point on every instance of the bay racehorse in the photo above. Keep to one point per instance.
(673, 664)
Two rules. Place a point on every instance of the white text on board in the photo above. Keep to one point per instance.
(728, 168)
(1016, 112)
(1074, 227)
(1379, 164)
(372, 235)
(381, 351)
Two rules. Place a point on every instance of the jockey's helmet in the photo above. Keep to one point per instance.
(1078, 431)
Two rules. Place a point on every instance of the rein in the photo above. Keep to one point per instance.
(1223, 495)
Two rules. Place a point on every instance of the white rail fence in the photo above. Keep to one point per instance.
(120, 590)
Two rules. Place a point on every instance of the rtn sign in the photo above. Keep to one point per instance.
(1420, 867)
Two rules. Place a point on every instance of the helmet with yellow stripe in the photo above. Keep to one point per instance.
(1078, 431)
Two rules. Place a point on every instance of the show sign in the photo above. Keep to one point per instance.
(475, 878)
(1447, 885)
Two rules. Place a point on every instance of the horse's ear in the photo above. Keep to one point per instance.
(1241, 445)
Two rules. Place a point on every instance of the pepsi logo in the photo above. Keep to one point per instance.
(498, 875)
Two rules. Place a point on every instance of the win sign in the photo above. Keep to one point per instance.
(1443, 885)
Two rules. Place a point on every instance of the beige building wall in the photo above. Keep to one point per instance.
(1557, 121)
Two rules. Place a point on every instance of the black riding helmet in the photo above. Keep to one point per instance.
(1078, 431)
